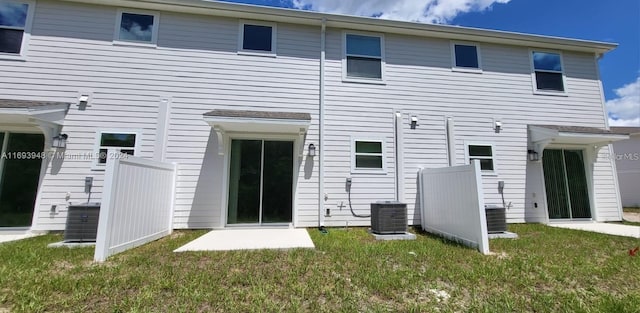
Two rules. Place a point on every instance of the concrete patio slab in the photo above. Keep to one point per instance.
(13, 236)
(403, 236)
(250, 239)
(503, 235)
(604, 228)
(63, 244)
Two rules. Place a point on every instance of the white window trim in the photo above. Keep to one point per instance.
(274, 39)
(534, 84)
(96, 166)
(455, 68)
(154, 34)
(26, 35)
(355, 170)
(376, 81)
(467, 157)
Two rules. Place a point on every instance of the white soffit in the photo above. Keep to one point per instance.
(258, 121)
(573, 135)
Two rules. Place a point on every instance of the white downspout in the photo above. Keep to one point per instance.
(399, 157)
(451, 141)
(321, 197)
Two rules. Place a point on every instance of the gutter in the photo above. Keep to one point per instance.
(321, 196)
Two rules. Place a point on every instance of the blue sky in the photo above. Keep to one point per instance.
(612, 21)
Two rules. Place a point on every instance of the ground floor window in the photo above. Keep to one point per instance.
(484, 153)
(124, 142)
(367, 154)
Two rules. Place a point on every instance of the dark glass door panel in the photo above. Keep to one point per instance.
(566, 184)
(577, 184)
(277, 182)
(20, 178)
(244, 182)
(260, 182)
(555, 184)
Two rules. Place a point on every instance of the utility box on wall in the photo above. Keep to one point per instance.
(82, 222)
(388, 217)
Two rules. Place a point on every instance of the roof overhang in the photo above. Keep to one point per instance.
(261, 122)
(258, 121)
(21, 113)
(543, 135)
(244, 11)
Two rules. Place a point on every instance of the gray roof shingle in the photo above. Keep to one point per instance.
(625, 130)
(578, 129)
(25, 104)
(260, 114)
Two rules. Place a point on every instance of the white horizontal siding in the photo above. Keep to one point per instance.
(627, 156)
(197, 66)
(419, 82)
(198, 69)
(607, 199)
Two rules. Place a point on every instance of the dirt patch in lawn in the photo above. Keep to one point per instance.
(631, 217)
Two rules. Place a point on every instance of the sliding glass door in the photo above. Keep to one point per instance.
(19, 177)
(260, 182)
(566, 184)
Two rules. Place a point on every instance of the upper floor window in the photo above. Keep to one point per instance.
(15, 20)
(364, 56)
(137, 27)
(258, 37)
(548, 72)
(466, 56)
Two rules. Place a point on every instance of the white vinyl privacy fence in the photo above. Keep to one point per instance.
(137, 204)
(452, 204)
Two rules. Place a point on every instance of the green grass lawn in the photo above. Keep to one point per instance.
(545, 270)
(631, 210)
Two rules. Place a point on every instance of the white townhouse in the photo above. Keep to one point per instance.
(267, 112)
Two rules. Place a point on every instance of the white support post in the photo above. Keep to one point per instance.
(483, 244)
(173, 196)
(106, 210)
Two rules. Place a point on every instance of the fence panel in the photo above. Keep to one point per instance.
(452, 204)
(137, 204)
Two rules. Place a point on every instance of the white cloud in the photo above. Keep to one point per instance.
(13, 14)
(625, 110)
(429, 11)
(628, 123)
(135, 32)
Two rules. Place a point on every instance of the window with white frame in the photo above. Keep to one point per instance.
(367, 154)
(137, 27)
(257, 37)
(466, 56)
(15, 20)
(124, 142)
(364, 56)
(548, 72)
(484, 153)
